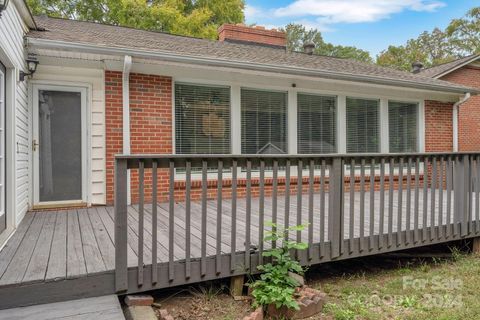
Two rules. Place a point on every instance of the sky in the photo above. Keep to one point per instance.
(371, 25)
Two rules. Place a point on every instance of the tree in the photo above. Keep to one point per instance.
(465, 32)
(298, 35)
(199, 18)
(460, 38)
(429, 48)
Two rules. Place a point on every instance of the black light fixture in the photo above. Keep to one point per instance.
(3, 6)
(32, 63)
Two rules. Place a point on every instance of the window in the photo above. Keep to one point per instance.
(264, 122)
(363, 125)
(316, 124)
(202, 119)
(402, 126)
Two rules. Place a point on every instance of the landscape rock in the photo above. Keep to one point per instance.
(140, 313)
(255, 315)
(164, 315)
(139, 300)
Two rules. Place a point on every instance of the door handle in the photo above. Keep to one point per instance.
(34, 145)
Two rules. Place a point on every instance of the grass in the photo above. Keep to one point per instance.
(377, 287)
(434, 289)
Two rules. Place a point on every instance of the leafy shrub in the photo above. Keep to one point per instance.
(275, 286)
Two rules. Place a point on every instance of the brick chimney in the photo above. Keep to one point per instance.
(257, 35)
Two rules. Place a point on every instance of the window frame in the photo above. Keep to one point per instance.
(235, 96)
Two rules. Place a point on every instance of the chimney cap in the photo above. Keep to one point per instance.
(308, 47)
(417, 66)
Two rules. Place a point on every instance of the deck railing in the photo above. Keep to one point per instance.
(352, 205)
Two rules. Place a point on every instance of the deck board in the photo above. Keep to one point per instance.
(37, 266)
(57, 266)
(75, 259)
(18, 265)
(98, 308)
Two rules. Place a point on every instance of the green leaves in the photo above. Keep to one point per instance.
(197, 18)
(298, 35)
(275, 285)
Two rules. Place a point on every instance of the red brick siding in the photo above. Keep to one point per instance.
(114, 127)
(150, 124)
(469, 112)
(438, 126)
(252, 34)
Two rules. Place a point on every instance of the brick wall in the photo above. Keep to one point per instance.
(150, 124)
(113, 120)
(239, 32)
(438, 126)
(469, 113)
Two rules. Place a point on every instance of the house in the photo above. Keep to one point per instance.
(199, 123)
(464, 71)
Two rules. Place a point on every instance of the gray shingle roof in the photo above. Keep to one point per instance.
(435, 71)
(108, 36)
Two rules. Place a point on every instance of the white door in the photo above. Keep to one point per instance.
(59, 145)
(3, 216)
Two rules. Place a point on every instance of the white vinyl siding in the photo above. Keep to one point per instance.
(202, 119)
(363, 125)
(402, 126)
(12, 54)
(316, 124)
(264, 122)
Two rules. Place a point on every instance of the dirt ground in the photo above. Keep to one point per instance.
(350, 286)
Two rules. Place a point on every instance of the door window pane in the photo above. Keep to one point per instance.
(60, 145)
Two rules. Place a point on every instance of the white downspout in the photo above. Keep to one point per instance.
(127, 66)
(456, 108)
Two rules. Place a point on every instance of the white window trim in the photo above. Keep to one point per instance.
(292, 134)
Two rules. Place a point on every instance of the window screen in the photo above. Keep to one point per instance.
(202, 119)
(402, 126)
(363, 125)
(316, 124)
(264, 122)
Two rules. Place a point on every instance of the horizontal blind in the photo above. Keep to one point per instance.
(363, 125)
(402, 126)
(202, 119)
(264, 122)
(316, 123)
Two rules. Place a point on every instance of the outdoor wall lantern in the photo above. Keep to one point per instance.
(32, 67)
(3, 6)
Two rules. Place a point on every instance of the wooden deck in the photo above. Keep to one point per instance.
(61, 255)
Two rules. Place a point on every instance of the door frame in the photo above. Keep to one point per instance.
(3, 195)
(83, 90)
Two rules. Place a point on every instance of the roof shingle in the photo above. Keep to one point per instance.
(435, 71)
(128, 38)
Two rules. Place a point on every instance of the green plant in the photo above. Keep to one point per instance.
(275, 285)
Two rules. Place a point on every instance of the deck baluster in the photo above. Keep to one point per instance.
(218, 258)
(233, 239)
(171, 222)
(154, 222)
(188, 217)
(141, 218)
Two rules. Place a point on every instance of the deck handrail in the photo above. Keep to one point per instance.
(428, 199)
